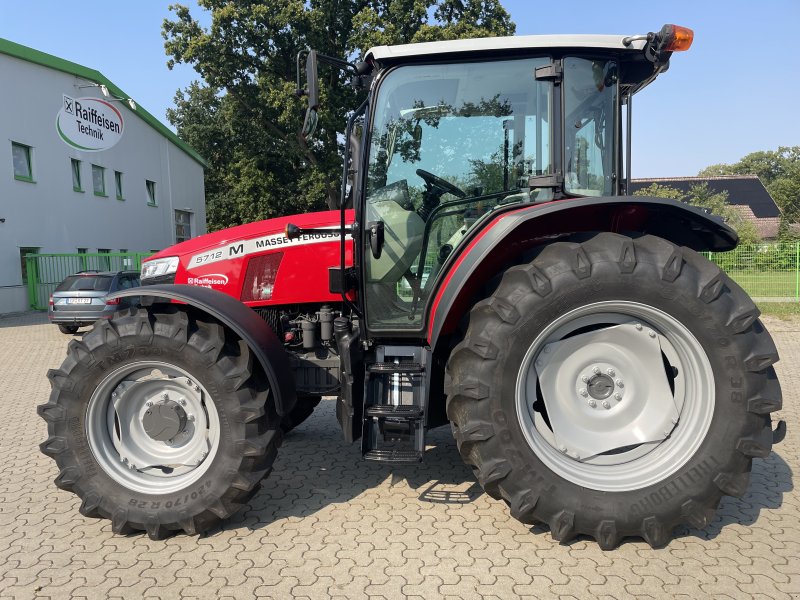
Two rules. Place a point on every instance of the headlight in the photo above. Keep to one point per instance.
(159, 267)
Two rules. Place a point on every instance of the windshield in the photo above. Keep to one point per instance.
(85, 283)
(449, 144)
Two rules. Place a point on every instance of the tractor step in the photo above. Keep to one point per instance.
(405, 412)
(389, 368)
(395, 389)
(395, 457)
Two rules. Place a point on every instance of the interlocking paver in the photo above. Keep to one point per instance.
(326, 525)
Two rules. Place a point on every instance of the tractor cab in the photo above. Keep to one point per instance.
(453, 134)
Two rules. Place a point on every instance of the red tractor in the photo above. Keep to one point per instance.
(487, 269)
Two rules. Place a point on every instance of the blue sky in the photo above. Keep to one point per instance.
(736, 91)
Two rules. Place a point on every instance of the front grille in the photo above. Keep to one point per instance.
(272, 317)
(158, 280)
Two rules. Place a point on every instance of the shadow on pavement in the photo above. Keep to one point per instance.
(315, 468)
(770, 478)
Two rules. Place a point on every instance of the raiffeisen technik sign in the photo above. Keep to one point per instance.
(89, 124)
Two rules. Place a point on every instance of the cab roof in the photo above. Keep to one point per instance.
(499, 44)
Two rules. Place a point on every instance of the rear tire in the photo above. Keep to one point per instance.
(541, 480)
(113, 376)
(306, 403)
(68, 329)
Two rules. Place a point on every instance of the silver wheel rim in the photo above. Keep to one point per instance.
(599, 400)
(115, 428)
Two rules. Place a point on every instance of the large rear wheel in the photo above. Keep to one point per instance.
(160, 422)
(614, 388)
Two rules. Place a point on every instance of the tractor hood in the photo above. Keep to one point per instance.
(257, 264)
(249, 231)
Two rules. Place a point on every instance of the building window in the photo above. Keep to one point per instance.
(118, 185)
(23, 253)
(21, 156)
(151, 192)
(82, 250)
(183, 225)
(99, 180)
(76, 175)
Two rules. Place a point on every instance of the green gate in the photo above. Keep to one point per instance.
(46, 271)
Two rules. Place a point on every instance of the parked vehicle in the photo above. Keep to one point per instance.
(599, 374)
(82, 298)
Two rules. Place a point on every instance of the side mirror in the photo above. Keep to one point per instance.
(312, 91)
(312, 81)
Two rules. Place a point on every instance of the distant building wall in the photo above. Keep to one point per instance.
(48, 214)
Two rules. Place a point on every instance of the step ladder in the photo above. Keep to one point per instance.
(395, 389)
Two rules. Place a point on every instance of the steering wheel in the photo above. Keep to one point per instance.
(443, 185)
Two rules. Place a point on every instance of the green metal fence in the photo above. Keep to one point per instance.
(768, 272)
(46, 271)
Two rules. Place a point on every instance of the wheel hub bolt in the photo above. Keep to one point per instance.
(165, 396)
(585, 378)
(592, 403)
(132, 466)
(638, 326)
(182, 401)
(618, 396)
(651, 333)
(583, 392)
(197, 388)
(620, 383)
(190, 417)
(149, 403)
(610, 372)
(606, 404)
(563, 449)
(596, 370)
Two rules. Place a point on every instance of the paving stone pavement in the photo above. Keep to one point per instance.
(327, 525)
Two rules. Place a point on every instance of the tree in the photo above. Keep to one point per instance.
(245, 117)
(779, 171)
(717, 203)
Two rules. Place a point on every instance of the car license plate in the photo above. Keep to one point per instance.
(79, 300)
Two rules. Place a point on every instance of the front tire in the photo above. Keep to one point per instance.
(303, 408)
(563, 405)
(160, 421)
(68, 329)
